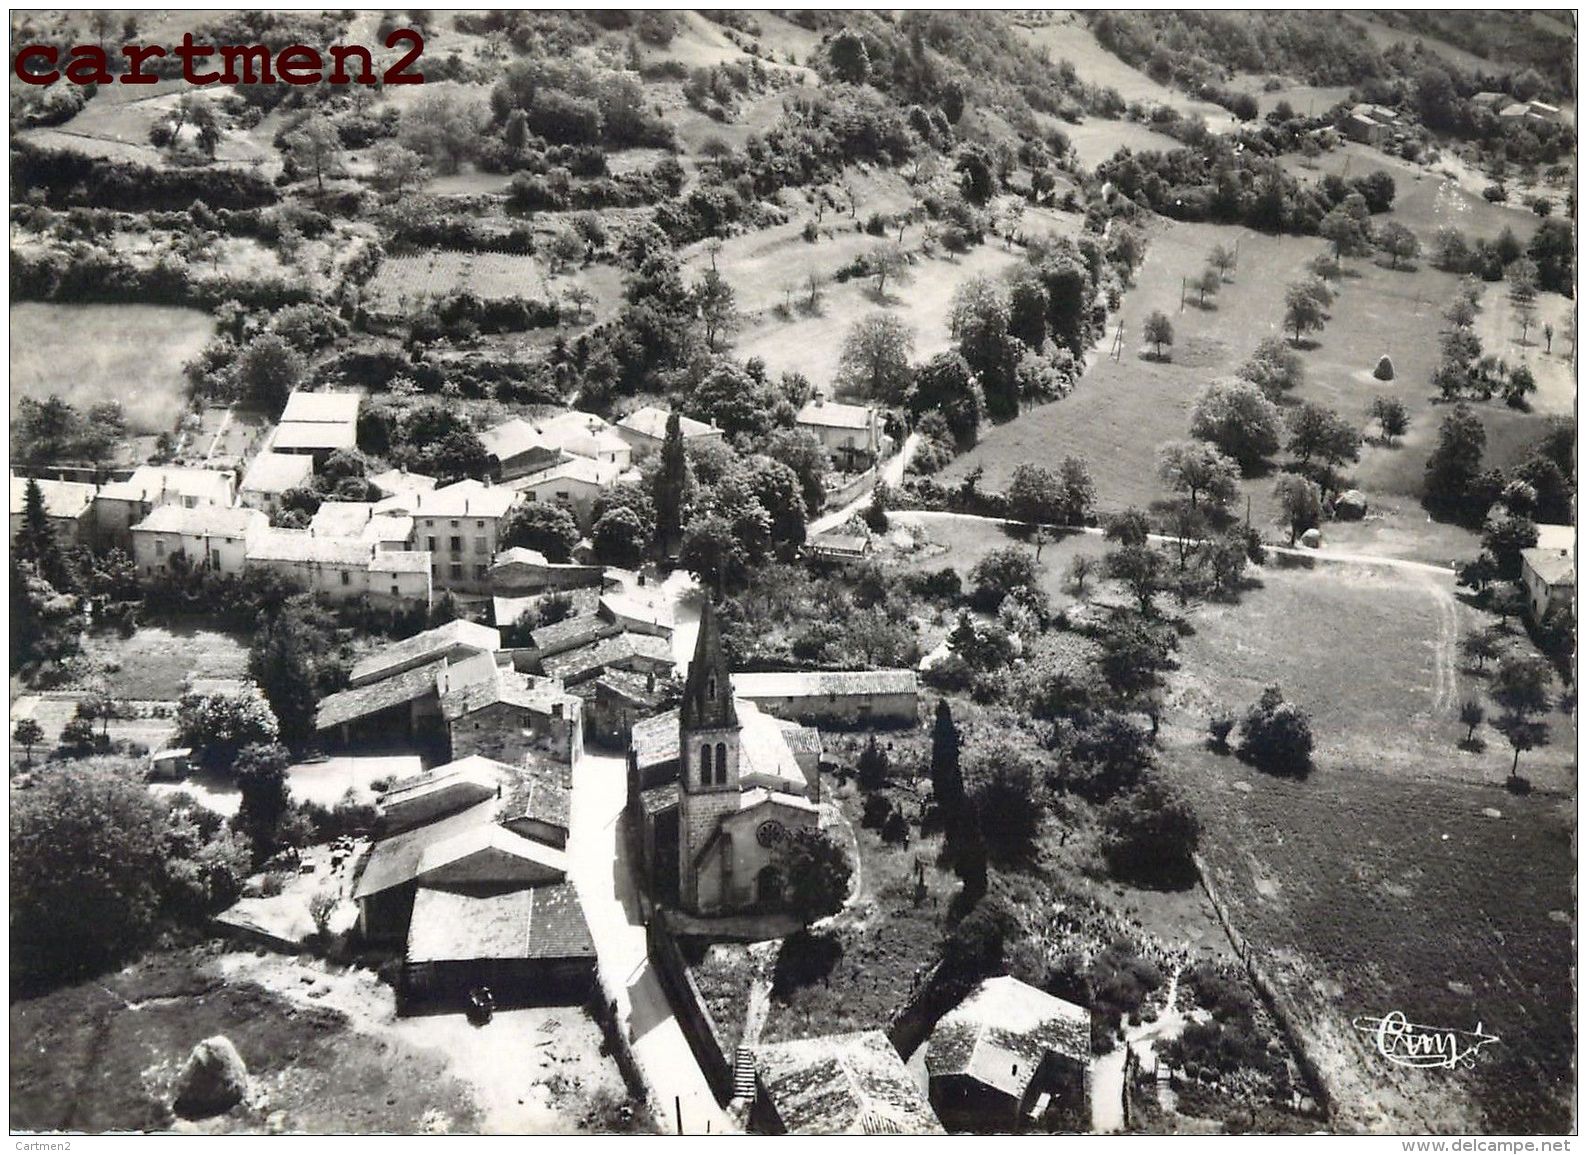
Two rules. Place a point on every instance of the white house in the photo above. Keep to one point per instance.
(852, 434)
(269, 475)
(645, 430)
(208, 536)
(460, 526)
(575, 483)
(68, 506)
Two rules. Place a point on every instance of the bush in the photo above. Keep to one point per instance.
(1219, 729)
(1276, 735)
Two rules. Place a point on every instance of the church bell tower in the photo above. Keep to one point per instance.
(708, 760)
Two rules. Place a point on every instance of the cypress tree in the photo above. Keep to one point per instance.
(669, 484)
(947, 781)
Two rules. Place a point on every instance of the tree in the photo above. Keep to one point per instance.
(670, 485)
(872, 765)
(35, 540)
(316, 149)
(1274, 368)
(1208, 282)
(87, 856)
(945, 385)
(1158, 331)
(1276, 735)
(546, 526)
(848, 58)
(887, 262)
(1080, 570)
(219, 725)
(1301, 500)
(1077, 492)
(1456, 462)
(1303, 311)
(1239, 419)
(818, 873)
(321, 907)
(1391, 415)
(1398, 242)
(1002, 573)
(266, 371)
(1007, 797)
(1316, 431)
(1522, 275)
(1227, 557)
(979, 321)
(261, 773)
(1150, 834)
(1472, 715)
(1504, 536)
(947, 778)
(618, 538)
(1140, 568)
(1221, 258)
(444, 126)
(565, 247)
(284, 661)
(1520, 686)
(714, 551)
(1198, 470)
(27, 734)
(874, 362)
(1346, 226)
(716, 301)
(396, 168)
(1479, 646)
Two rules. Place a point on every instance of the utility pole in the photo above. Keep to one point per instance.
(1181, 294)
(677, 1107)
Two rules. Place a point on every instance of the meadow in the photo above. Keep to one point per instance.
(1386, 878)
(92, 353)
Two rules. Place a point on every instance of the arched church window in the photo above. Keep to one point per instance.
(721, 763)
(705, 763)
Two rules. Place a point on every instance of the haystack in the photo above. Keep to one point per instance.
(214, 1079)
(1385, 369)
(1311, 539)
(1351, 505)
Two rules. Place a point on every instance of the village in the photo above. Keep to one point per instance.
(889, 573)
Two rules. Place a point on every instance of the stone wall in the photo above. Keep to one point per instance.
(688, 1005)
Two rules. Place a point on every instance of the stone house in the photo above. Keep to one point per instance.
(520, 571)
(1011, 1058)
(508, 716)
(343, 569)
(645, 430)
(208, 536)
(851, 1084)
(270, 475)
(575, 483)
(1548, 576)
(68, 507)
(835, 698)
(119, 505)
(852, 434)
(460, 525)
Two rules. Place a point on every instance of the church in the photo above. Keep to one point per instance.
(714, 787)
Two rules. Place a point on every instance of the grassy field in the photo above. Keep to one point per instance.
(91, 353)
(155, 663)
(1095, 139)
(1399, 874)
(104, 1057)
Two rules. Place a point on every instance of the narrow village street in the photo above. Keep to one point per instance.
(600, 869)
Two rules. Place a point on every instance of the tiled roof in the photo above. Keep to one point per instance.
(214, 520)
(425, 647)
(341, 518)
(61, 498)
(1551, 536)
(364, 701)
(314, 435)
(538, 922)
(396, 481)
(821, 683)
(301, 545)
(507, 686)
(395, 861)
(585, 660)
(1002, 1031)
(656, 799)
(571, 633)
(277, 473)
(582, 469)
(468, 498)
(513, 437)
(655, 740)
(1556, 567)
(333, 408)
(834, 415)
(643, 690)
(843, 1085)
(400, 561)
(154, 483)
(651, 422)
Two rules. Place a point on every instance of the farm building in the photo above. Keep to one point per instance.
(1363, 129)
(270, 475)
(316, 440)
(1009, 1058)
(645, 430)
(835, 697)
(572, 633)
(853, 1084)
(635, 615)
(322, 408)
(521, 446)
(576, 482)
(635, 653)
(454, 641)
(1492, 101)
(839, 547)
(68, 506)
(344, 568)
(1548, 571)
(852, 434)
(208, 536)
(614, 701)
(527, 571)
(508, 716)
(476, 894)
(460, 525)
(119, 505)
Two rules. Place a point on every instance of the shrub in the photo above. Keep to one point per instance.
(1276, 735)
